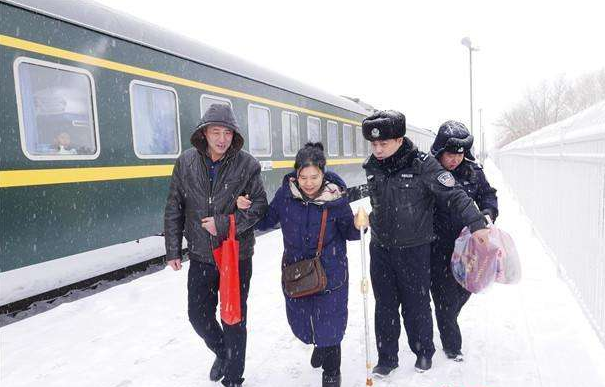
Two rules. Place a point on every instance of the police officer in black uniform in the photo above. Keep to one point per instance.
(452, 147)
(404, 185)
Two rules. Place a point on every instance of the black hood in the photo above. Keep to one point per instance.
(220, 115)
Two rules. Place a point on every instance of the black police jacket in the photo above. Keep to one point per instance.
(403, 191)
(471, 179)
(192, 197)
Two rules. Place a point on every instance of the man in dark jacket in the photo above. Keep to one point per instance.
(404, 185)
(206, 182)
(452, 147)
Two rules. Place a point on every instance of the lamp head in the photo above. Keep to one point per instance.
(466, 41)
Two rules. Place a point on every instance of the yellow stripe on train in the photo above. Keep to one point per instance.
(32, 177)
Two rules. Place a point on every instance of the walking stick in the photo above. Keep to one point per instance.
(362, 222)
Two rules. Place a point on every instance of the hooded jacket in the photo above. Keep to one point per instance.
(192, 197)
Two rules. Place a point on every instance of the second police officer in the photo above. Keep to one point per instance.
(452, 148)
(404, 184)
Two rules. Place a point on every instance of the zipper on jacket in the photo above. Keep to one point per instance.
(312, 329)
(214, 184)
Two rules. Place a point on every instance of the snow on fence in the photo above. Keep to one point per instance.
(558, 176)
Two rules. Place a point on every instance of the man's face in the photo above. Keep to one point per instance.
(386, 148)
(451, 161)
(219, 140)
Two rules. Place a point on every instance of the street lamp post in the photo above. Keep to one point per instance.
(481, 138)
(466, 41)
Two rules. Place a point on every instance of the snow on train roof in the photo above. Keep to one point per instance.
(588, 122)
(98, 17)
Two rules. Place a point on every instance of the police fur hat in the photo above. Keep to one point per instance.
(453, 137)
(384, 125)
(312, 154)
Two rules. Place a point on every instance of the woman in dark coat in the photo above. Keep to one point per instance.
(318, 319)
(452, 147)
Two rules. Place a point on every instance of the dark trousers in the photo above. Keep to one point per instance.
(448, 296)
(401, 278)
(331, 359)
(226, 341)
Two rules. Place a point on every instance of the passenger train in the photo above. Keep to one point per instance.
(95, 108)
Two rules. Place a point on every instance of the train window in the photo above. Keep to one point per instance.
(290, 133)
(333, 146)
(155, 120)
(57, 111)
(259, 130)
(359, 142)
(347, 139)
(313, 129)
(206, 100)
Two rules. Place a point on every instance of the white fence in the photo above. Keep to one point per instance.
(558, 175)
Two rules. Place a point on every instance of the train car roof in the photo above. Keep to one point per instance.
(98, 17)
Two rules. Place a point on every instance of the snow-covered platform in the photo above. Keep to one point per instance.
(137, 333)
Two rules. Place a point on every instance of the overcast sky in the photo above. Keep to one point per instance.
(400, 55)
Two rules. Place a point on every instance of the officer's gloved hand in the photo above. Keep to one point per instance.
(489, 212)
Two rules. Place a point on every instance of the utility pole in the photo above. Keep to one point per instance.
(466, 41)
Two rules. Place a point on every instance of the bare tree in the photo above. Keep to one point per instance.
(548, 103)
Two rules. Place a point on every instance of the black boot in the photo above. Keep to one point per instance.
(423, 364)
(382, 370)
(328, 380)
(218, 369)
(454, 355)
(317, 358)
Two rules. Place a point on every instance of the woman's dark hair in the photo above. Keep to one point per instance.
(312, 154)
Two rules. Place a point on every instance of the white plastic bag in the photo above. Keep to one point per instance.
(477, 264)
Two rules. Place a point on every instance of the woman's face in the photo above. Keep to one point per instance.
(451, 161)
(309, 180)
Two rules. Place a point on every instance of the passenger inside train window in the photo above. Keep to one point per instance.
(63, 144)
(56, 108)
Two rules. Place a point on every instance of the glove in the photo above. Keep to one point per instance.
(491, 213)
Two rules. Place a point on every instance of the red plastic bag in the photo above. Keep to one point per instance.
(226, 257)
(477, 265)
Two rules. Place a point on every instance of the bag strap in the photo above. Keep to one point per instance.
(322, 231)
(231, 226)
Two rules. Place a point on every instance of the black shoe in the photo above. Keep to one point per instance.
(330, 380)
(317, 358)
(381, 370)
(423, 364)
(232, 385)
(218, 369)
(454, 355)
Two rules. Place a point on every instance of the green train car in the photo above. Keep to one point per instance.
(96, 106)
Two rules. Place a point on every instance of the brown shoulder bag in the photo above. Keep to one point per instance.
(307, 277)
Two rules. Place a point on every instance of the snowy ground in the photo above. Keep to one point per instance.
(137, 333)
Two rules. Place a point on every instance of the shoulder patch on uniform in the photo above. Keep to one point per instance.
(446, 179)
(423, 156)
